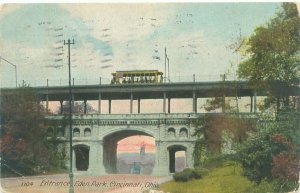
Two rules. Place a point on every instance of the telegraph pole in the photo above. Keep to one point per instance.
(71, 188)
(168, 69)
(165, 65)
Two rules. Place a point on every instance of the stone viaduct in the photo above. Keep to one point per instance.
(95, 136)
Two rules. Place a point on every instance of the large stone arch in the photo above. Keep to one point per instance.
(110, 140)
(147, 131)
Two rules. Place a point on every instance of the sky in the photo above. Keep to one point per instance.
(134, 144)
(200, 39)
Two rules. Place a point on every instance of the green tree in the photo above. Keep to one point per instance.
(24, 148)
(272, 151)
(210, 133)
(78, 107)
(221, 103)
(273, 54)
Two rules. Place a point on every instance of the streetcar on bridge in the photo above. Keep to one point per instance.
(137, 76)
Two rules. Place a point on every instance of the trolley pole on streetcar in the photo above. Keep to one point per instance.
(71, 175)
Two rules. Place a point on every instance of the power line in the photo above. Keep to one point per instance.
(16, 76)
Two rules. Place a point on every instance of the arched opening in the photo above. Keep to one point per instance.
(60, 132)
(136, 155)
(180, 161)
(129, 151)
(81, 157)
(50, 132)
(177, 158)
(171, 132)
(87, 132)
(183, 132)
(76, 132)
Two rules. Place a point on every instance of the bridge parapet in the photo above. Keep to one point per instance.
(157, 116)
(159, 123)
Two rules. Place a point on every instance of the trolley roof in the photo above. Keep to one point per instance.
(138, 72)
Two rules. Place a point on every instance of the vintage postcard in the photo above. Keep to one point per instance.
(178, 97)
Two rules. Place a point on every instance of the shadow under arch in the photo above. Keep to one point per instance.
(110, 143)
(81, 157)
(172, 151)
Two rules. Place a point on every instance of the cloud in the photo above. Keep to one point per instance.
(122, 21)
(7, 8)
(34, 34)
(46, 25)
(124, 37)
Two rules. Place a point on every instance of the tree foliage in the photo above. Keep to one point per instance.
(211, 130)
(274, 53)
(223, 103)
(268, 149)
(77, 108)
(274, 48)
(24, 148)
(272, 151)
(218, 103)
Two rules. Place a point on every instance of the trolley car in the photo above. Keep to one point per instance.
(137, 76)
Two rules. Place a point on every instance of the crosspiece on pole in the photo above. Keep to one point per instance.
(15, 66)
(71, 188)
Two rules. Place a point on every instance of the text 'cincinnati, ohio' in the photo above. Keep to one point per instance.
(94, 183)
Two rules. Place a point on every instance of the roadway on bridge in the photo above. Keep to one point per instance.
(156, 91)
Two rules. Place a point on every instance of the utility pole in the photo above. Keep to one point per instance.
(165, 65)
(71, 188)
(168, 69)
(223, 97)
(16, 76)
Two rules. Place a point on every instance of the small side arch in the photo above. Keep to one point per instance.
(171, 132)
(183, 132)
(87, 132)
(60, 132)
(76, 132)
(50, 132)
(172, 158)
(82, 154)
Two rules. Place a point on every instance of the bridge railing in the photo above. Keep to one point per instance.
(107, 80)
(152, 116)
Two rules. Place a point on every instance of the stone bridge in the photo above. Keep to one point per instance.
(95, 138)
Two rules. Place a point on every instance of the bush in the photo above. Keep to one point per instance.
(190, 173)
(263, 186)
(272, 151)
(285, 186)
(184, 176)
(215, 160)
(199, 172)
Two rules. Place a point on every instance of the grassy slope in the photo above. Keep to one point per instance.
(226, 179)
